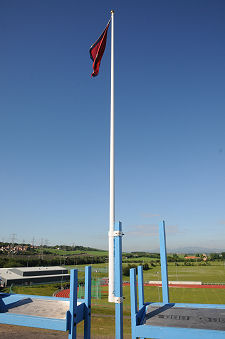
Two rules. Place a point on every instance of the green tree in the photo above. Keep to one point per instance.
(126, 269)
(146, 266)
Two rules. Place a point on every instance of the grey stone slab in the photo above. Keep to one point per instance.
(40, 307)
(202, 318)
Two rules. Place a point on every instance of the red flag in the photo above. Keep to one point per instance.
(97, 51)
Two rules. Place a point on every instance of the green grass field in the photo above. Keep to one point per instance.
(206, 274)
(45, 289)
(152, 294)
(210, 274)
(97, 253)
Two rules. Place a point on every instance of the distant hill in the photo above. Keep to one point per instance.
(191, 250)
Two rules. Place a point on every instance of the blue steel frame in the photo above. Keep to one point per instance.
(74, 315)
(137, 316)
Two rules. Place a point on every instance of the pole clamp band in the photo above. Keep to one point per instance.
(118, 300)
(116, 234)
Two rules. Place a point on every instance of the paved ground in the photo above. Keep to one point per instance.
(18, 332)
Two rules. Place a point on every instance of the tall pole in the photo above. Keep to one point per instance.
(112, 174)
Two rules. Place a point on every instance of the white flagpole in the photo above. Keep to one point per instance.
(112, 174)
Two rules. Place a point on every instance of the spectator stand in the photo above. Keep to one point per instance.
(172, 320)
(62, 314)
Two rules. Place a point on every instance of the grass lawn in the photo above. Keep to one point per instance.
(105, 327)
(45, 289)
(77, 252)
(140, 259)
(207, 274)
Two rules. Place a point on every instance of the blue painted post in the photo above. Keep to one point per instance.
(133, 301)
(163, 259)
(87, 318)
(140, 287)
(118, 281)
(73, 305)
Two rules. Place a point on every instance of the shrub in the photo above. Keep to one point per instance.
(146, 267)
(126, 269)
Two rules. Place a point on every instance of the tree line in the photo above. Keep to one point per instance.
(35, 261)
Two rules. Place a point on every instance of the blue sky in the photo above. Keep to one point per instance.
(170, 118)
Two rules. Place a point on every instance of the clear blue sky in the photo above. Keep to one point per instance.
(170, 122)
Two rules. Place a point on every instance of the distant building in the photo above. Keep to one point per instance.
(29, 275)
